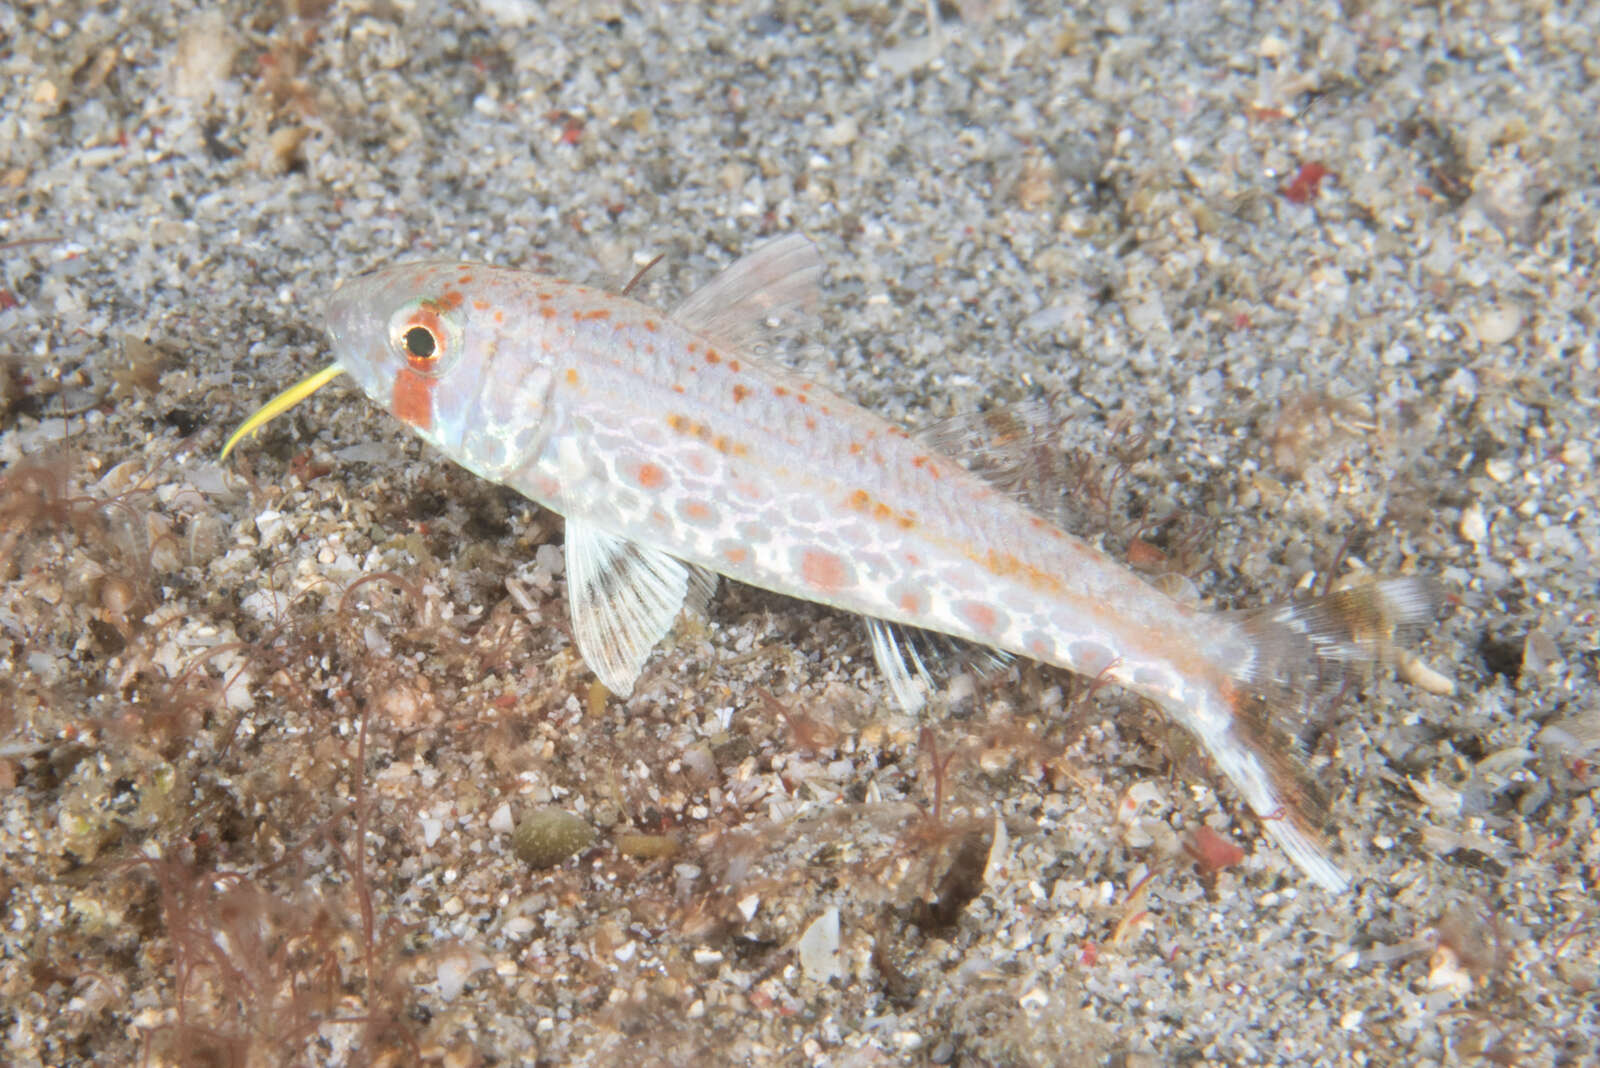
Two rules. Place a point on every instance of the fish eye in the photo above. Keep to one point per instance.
(426, 336)
(420, 343)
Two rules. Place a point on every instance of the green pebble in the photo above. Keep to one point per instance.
(547, 836)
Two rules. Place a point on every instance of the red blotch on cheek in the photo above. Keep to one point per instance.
(412, 400)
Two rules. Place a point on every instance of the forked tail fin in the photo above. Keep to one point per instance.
(1305, 650)
(1300, 655)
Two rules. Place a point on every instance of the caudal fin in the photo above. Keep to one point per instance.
(1305, 650)
(1297, 658)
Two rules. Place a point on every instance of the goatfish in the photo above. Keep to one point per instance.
(677, 452)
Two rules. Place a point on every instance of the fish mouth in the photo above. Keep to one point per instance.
(357, 324)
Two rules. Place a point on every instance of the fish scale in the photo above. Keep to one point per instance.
(674, 449)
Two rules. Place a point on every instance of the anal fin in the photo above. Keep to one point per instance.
(910, 658)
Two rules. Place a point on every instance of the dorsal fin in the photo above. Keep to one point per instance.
(1017, 448)
(1064, 467)
(773, 281)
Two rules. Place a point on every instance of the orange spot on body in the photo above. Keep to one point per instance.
(595, 314)
(499, 317)
(713, 356)
(651, 476)
(412, 399)
(451, 300)
(860, 500)
(697, 511)
(651, 325)
(855, 448)
(1229, 693)
(572, 376)
(733, 365)
(548, 311)
(740, 393)
(480, 305)
(980, 615)
(736, 554)
(1007, 566)
(780, 391)
(882, 511)
(823, 571)
(910, 604)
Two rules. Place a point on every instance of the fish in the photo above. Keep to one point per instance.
(678, 449)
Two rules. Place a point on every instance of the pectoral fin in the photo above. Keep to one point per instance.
(623, 598)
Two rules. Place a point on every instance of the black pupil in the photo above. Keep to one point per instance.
(419, 343)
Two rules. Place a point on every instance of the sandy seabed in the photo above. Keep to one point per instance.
(298, 764)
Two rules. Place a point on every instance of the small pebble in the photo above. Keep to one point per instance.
(1497, 324)
(819, 948)
(545, 837)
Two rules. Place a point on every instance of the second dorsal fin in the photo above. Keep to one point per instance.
(1015, 447)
